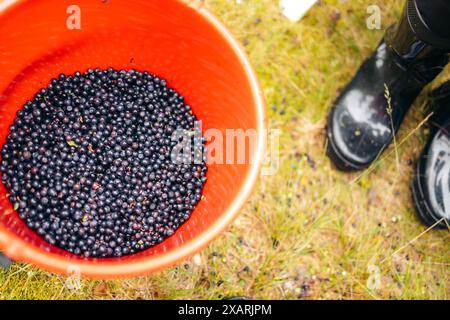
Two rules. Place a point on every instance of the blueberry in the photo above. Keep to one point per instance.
(88, 163)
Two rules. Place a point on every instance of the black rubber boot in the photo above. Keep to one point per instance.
(368, 113)
(431, 184)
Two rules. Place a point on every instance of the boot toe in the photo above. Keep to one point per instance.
(357, 133)
(431, 184)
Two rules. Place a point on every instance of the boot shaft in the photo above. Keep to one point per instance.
(413, 52)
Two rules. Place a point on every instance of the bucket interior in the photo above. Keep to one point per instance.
(165, 37)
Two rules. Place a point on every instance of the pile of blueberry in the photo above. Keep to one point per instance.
(88, 164)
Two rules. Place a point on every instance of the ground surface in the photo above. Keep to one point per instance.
(308, 232)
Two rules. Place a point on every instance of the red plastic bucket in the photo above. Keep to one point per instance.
(177, 40)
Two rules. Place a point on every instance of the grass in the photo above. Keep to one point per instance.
(309, 232)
